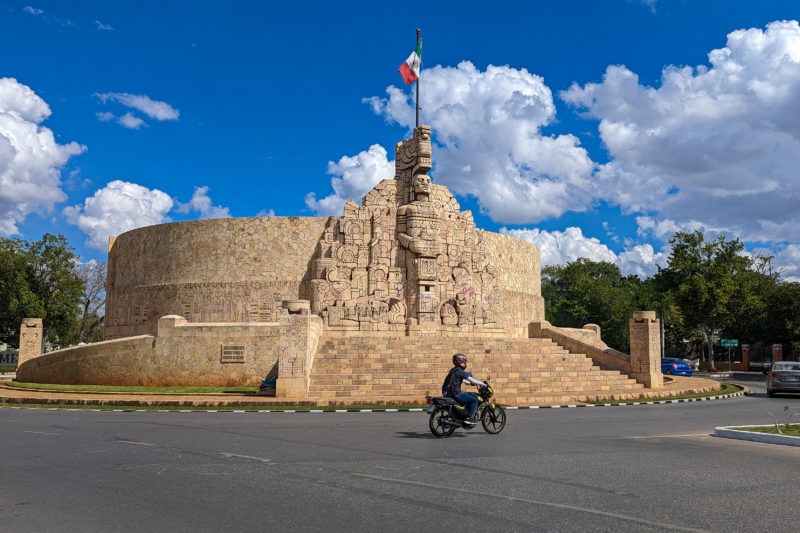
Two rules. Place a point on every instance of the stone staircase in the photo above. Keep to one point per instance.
(350, 369)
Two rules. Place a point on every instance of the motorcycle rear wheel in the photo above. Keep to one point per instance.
(493, 419)
(438, 429)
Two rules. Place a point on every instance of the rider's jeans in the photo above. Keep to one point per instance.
(470, 401)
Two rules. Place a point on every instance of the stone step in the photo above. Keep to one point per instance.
(353, 367)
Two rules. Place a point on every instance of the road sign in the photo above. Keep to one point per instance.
(729, 343)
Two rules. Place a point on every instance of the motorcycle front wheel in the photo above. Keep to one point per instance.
(439, 429)
(493, 419)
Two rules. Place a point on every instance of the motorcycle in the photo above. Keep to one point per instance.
(447, 414)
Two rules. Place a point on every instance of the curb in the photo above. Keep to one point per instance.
(727, 432)
(739, 394)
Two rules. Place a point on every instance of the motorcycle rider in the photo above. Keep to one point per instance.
(452, 387)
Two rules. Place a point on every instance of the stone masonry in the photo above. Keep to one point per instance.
(645, 331)
(340, 307)
(30, 340)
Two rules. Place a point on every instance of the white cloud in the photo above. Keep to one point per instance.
(118, 207)
(718, 145)
(201, 203)
(141, 102)
(787, 262)
(103, 27)
(131, 121)
(559, 247)
(353, 178)
(30, 158)
(105, 116)
(266, 213)
(33, 11)
(488, 141)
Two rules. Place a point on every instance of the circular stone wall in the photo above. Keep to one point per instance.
(218, 270)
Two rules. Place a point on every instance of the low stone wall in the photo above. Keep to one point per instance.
(183, 354)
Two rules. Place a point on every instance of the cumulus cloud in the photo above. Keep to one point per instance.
(118, 207)
(266, 213)
(718, 145)
(787, 261)
(559, 247)
(30, 158)
(488, 141)
(353, 177)
(202, 204)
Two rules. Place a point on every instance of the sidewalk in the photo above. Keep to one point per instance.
(673, 385)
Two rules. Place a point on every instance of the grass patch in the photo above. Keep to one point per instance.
(727, 388)
(226, 408)
(788, 430)
(135, 389)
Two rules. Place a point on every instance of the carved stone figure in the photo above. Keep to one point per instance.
(406, 257)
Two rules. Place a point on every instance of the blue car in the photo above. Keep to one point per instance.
(676, 366)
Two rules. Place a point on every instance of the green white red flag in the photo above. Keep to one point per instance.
(410, 69)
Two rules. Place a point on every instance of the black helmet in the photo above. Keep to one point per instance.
(460, 359)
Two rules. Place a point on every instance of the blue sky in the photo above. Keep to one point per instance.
(591, 128)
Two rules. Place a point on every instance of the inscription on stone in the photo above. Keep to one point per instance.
(232, 353)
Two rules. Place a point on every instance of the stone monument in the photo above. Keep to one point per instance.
(407, 258)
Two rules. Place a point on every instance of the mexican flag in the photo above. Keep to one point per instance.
(410, 69)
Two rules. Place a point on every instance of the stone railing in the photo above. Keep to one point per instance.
(586, 341)
(644, 362)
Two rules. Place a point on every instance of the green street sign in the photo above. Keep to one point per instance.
(729, 343)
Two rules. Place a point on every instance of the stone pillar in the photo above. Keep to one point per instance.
(30, 340)
(746, 357)
(645, 331)
(293, 360)
(777, 352)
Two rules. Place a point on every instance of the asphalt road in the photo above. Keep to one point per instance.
(634, 468)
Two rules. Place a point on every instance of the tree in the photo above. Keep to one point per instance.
(93, 275)
(40, 280)
(17, 299)
(709, 280)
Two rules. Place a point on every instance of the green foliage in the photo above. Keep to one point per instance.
(39, 280)
(708, 290)
(709, 280)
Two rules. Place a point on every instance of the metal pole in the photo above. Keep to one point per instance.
(419, 40)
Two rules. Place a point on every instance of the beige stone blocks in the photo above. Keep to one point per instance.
(30, 340)
(645, 335)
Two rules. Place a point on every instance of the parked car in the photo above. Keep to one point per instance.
(676, 366)
(783, 376)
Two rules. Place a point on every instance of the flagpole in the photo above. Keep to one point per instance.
(419, 39)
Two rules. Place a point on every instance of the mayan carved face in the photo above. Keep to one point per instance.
(422, 185)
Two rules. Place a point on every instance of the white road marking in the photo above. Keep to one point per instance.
(136, 442)
(536, 502)
(43, 433)
(247, 457)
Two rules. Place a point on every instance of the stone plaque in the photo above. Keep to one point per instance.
(232, 353)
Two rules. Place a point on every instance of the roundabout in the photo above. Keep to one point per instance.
(550, 469)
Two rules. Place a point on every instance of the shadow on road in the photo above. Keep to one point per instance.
(425, 435)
